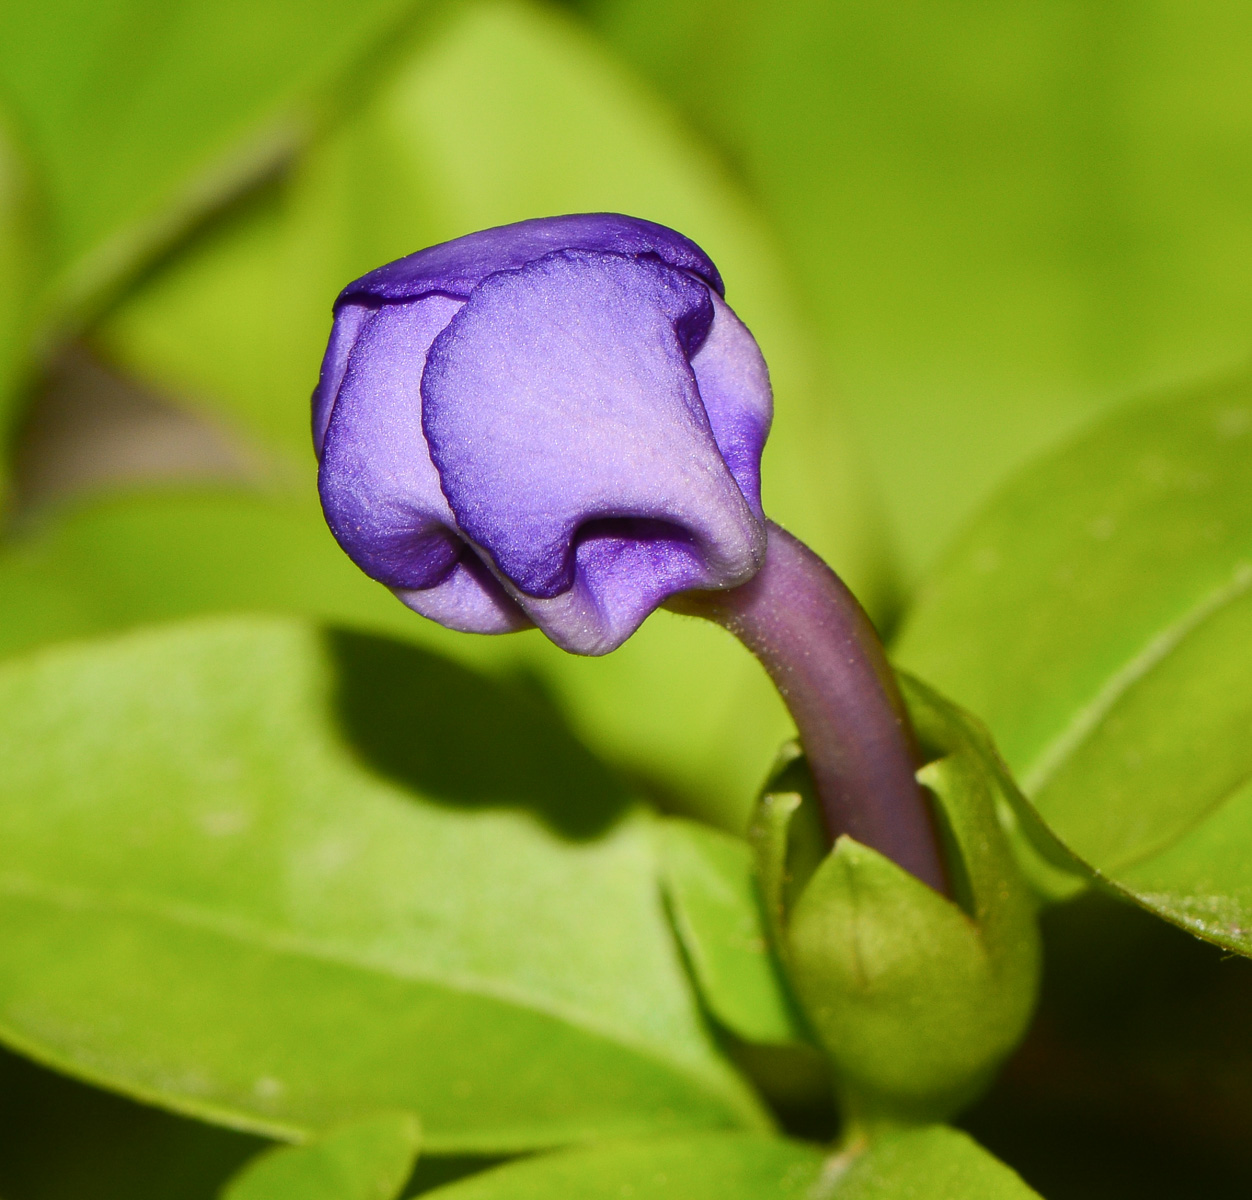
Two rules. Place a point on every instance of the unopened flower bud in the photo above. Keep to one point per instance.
(558, 422)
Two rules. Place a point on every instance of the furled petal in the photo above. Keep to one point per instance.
(343, 335)
(468, 598)
(379, 488)
(455, 268)
(734, 386)
(573, 446)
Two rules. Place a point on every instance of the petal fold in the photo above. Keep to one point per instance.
(455, 268)
(380, 491)
(574, 448)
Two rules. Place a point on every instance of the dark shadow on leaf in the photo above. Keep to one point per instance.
(65, 1139)
(468, 740)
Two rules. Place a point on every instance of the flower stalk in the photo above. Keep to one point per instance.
(824, 656)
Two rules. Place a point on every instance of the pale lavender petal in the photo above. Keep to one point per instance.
(623, 570)
(455, 268)
(734, 386)
(559, 407)
(379, 488)
(468, 598)
(349, 320)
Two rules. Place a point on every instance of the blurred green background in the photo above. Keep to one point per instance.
(959, 230)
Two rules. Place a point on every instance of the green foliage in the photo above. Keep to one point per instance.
(1005, 214)
(370, 1159)
(937, 1163)
(670, 706)
(718, 1167)
(340, 904)
(140, 115)
(916, 998)
(710, 879)
(1098, 616)
(152, 556)
(313, 863)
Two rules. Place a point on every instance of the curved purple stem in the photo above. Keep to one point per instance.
(820, 649)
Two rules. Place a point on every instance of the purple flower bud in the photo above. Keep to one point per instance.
(558, 423)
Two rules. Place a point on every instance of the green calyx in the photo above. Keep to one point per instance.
(915, 998)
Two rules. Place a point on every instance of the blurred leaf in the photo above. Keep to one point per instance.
(141, 114)
(1006, 214)
(703, 1167)
(63, 1140)
(370, 1159)
(1099, 615)
(18, 257)
(127, 560)
(937, 1163)
(710, 878)
(512, 112)
(279, 881)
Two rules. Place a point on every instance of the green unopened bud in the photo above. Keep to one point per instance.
(916, 998)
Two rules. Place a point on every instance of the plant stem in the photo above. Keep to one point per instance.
(820, 649)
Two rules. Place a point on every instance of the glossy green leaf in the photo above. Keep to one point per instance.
(1007, 213)
(141, 114)
(370, 1159)
(705, 1167)
(1099, 615)
(125, 560)
(916, 997)
(937, 1163)
(710, 878)
(280, 879)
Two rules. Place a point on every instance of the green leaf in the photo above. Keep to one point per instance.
(1099, 614)
(710, 878)
(917, 998)
(141, 114)
(704, 1167)
(128, 560)
(370, 1159)
(281, 880)
(937, 1163)
(1007, 214)
(680, 704)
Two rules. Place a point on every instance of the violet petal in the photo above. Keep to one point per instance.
(379, 488)
(564, 419)
(734, 385)
(455, 268)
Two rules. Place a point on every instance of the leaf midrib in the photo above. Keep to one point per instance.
(280, 943)
(1088, 718)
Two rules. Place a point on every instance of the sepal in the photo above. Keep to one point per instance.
(916, 998)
